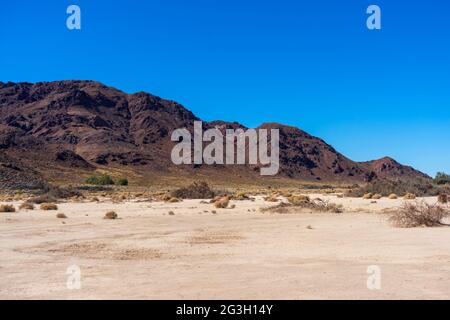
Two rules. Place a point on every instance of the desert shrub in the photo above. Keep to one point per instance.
(386, 187)
(48, 206)
(110, 215)
(393, 196)
(122, 182)
(7, 208)
(171, 213)
(173, 200)
(101, 180)
(298, 199)
(315, 205)
(442, 178)
(26, 206)
(377, 196)
(443, 198)
(53, 193)
(409, 196)
(418, 214)
(45, 198)
(196, 190)
(367, 195)
(61, 216)
(222, 202)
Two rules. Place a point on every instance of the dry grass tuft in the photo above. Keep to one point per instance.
(48, 206)
(26, 206)
(393, 196)
(411, 215)
(222, 202)
(173, 200)
(409, 196)
(298, 199)
(367, 196)
(7, 208)
(196, 190)
(111, 215)
(377, 196)
(313, 206)
(61, 216)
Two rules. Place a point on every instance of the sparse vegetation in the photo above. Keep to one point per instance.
(222, 202)
(61, 216)
(377, 196)
(442, 178)
(48, 206)
(298, 199)
(102, 180)
(7, 208)
(122, 182)
(271, 198)
(196, 190)
(26, 206)
(385, 188)
(393, 196)
(110, 215)
(315, 205)
(367, 195)
(409, 196)
(419, 214)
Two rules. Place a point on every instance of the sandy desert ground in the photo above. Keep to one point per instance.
(239, 253)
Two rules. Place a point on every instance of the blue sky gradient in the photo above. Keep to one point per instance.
(311, 64)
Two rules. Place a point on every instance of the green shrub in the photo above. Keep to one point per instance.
(442, 178)
(122, 182)
(102, 180)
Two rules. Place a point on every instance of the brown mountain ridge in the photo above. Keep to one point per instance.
(81, 126)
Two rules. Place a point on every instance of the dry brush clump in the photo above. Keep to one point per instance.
(26, 206)
(409, 196)
(298, 199)
(61, 216)
(111, 215)
(48, 206)
(316, 205)
(418, 214)
(7, 208)
(386, 187)
(393, 196)
(222, 202)
(196, 190)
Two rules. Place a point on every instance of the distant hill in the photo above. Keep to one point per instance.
(83, 125)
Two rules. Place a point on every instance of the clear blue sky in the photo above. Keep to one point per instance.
(312, 64)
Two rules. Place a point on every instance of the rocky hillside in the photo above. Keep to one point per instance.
(85, 125)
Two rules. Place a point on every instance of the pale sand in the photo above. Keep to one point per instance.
(234, 254)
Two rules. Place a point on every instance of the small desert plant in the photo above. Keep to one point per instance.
(418, 214)
(102, 180)
(110, 215)
(48, 206)
(240, 196)
(61, 216)
(7, 208)
(314, 206)
(26, 206)
(196, 190)
(368, 196)
(298, 199)
(171, 213)
(377, 196)
(45, 198)
(122, 182)
(443, 198)
(173, 200)
(222, 202)
(409, 196)
(419, 187)
(393, 196)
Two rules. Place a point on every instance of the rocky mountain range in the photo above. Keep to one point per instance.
(82, 126)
